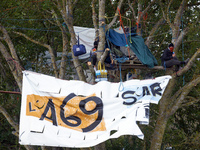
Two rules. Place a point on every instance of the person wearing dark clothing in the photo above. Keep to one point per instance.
(169, 58)
(93, 53)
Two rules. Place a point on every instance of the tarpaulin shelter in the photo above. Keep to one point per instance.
(136, 44)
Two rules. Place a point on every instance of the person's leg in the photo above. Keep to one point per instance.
(94, 61)
(172, 62)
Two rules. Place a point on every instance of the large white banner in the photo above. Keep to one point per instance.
(70, 113)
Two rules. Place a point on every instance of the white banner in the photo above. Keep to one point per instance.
(65, 113)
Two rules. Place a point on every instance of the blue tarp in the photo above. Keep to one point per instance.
(137, 45)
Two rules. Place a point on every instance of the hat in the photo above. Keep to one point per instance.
(171, 45)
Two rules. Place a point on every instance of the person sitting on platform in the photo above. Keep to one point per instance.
(169, 58)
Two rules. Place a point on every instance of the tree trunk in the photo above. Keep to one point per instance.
(160, 130)
(76, 61)
(101, 29)
(67, 14)
(64, 55)
(13, 65)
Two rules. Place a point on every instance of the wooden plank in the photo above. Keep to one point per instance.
(139, 66)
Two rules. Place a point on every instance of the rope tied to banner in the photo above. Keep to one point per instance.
(120, 61)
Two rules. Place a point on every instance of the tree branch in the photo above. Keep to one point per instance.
(94, 16)
(189, 64)
(153, 30)
(165, 13)
(65, 41)
(168, 19)
(177, 22)
(67, 14)
(46, 46)
(14, 66)
(6, 37)
(103, 57)
(10, 120)
(184, 92)
(92, 71)
(179, 13)
(179, 39)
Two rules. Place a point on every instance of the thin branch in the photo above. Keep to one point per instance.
(165, 12)
(94, 16)
(168, 19)
(162, 9)
(195, 4)
(189, 64)
(116, 14)
(64, 52)
(131, 7)
(51, 22)
(191, 41)
(154, 29)
(191, 102)
(75, 2)
(32, 40)
(9, 119)
(147, 8)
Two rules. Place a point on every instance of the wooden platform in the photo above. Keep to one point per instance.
(136, 64)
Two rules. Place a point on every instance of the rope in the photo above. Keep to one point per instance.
(7, 9)
(164, 65)
(121, 82)
(32, 29)
(32, 19)
(182, 42)
(120, 61)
